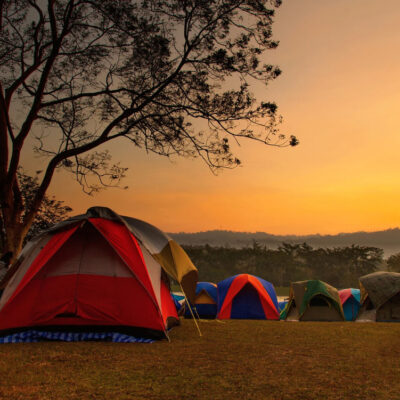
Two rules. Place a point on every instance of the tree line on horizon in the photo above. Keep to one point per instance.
(341, 267)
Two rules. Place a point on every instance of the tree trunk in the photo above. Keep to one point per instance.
(14, 239)
(14, 230)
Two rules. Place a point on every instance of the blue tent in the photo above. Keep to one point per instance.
(282, 304)
(350, 299)
(179, 301)
(206, 301)
(246, 296)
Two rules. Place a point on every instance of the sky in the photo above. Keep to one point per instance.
(339, 93)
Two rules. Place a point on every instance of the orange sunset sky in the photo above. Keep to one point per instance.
(339, 94)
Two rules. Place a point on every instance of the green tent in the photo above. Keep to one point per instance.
(313, 300)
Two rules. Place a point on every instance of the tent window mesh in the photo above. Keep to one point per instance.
(319, 301)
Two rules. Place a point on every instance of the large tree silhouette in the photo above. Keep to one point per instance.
(172, 77)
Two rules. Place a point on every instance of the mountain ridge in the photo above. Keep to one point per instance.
(388, 239)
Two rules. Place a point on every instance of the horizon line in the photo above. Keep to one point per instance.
(287, 234)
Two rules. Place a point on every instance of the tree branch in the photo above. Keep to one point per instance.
(26, 126)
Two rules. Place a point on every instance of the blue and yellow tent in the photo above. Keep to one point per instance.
(246, 296)
(205, 304)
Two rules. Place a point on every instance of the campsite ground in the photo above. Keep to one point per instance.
(233, 360)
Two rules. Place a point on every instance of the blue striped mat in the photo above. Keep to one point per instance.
(33, 336)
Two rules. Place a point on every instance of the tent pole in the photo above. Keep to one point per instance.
(191, 311)
(198, 316)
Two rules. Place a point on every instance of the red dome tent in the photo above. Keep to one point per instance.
(92, 272)
(245, 296)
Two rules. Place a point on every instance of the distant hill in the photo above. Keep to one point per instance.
(388, 240)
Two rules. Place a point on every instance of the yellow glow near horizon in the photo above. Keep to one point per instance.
(339, 93)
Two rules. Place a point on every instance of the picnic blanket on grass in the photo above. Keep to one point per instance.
(33, 336)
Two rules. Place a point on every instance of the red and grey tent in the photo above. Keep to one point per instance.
(96, 271)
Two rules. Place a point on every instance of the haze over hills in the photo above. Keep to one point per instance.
(388, 240)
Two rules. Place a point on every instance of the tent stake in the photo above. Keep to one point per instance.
(191, 311)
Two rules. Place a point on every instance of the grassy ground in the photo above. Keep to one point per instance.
(233, 360)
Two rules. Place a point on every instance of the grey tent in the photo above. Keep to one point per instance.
(380, 297)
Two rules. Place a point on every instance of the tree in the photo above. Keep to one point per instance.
(339, 266)
(50, 211)
(393, 263)
(170, 76)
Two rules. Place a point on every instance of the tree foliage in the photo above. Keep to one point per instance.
(170, 77)
(340, 266)
(50, 212)
(393, 263)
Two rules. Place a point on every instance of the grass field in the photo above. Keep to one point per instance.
(233, 360)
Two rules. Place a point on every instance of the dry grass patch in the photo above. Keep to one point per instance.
(233, 360)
